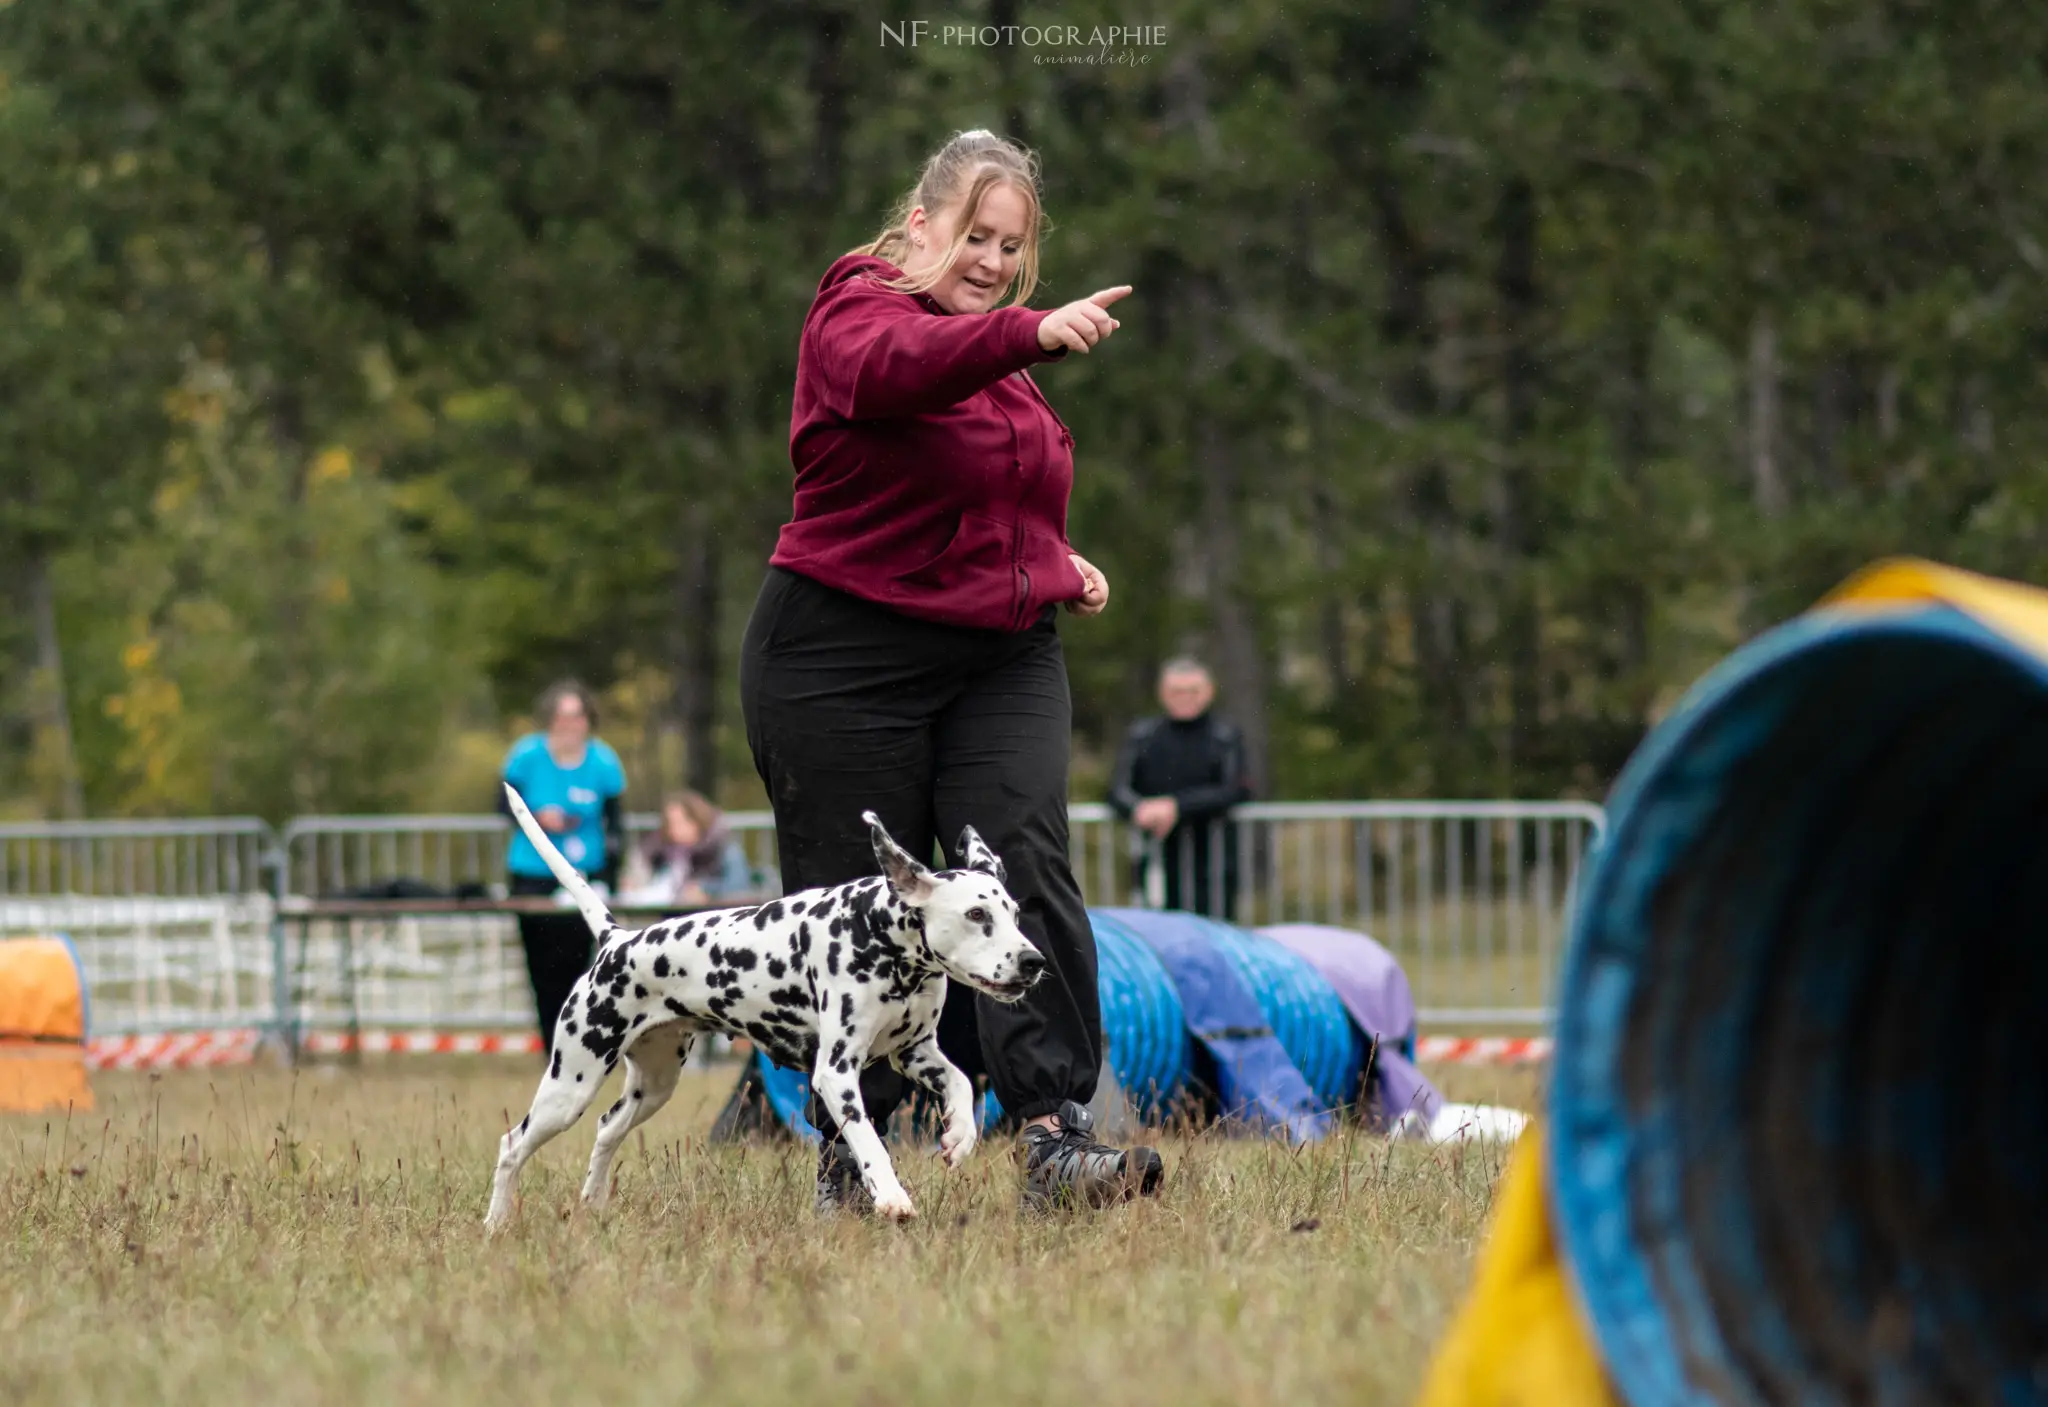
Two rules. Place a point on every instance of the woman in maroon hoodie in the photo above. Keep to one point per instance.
(904, 654)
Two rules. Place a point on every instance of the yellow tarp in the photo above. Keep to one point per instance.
(42, 1028)
(36, 1079)
(2020, 613)
(1519, 1337)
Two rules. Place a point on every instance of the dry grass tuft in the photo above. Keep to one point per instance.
(257, 1236)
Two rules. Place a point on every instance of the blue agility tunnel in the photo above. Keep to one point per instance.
(1274, 1038)
(1798, 1142)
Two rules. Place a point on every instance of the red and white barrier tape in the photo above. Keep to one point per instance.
(197, 1049)
(1483, 1050)
(425, 1043)
(184, 1051)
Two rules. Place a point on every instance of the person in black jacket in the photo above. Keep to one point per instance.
(1175, 779)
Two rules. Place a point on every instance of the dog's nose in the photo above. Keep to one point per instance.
(1031, 966)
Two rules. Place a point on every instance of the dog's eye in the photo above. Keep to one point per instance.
(977, 914)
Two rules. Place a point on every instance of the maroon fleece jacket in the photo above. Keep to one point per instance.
(932, 477)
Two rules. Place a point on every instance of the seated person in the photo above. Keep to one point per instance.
(693, 858)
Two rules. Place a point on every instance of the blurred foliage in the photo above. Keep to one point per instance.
(1492, 369)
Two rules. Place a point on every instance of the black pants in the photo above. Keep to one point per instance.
(559, 948)
(850, 707)
(1198, 862)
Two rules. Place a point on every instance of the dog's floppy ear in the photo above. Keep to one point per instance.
(911, 881)
(976, 855)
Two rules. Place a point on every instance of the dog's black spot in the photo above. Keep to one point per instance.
(677, 1007)
(579, 1077)
(776, 968)
(569, 1027)
(717, 955)
(846, 1008)
(838, 1053)
(743, 959)
(529, 1118)
(607, 1031)
(555, 1067)
(661, 965)
(832, 957)
(639, 992)
(796, 906)
(636, 1094)
(786, 996)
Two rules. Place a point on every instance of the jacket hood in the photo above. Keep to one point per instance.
(848, 266)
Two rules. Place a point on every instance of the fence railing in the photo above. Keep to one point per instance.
(178, 924)
(226, 855)
(332, 855)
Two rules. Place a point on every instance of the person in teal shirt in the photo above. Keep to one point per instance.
(575, 787)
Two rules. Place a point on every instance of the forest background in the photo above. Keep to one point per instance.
(1492, 370)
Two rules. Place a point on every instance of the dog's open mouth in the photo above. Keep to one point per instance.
(1006, 991)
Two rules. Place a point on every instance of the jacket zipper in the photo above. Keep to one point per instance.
(1023, 606)
(1021, 615)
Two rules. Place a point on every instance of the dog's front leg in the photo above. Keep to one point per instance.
(839, 1089)
(927, 1064)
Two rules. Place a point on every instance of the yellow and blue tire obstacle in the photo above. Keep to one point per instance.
(1796, 1145)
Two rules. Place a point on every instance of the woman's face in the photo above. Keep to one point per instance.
(682, 827)
(987, 262)
(570, 727)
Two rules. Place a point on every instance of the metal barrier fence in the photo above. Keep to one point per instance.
(155, 964)
(1471, 896)
(441, 972)
(227, 855)
(332, 855)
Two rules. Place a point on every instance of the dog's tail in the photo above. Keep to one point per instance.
(595, 913)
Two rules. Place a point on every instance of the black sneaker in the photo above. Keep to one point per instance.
(839, 1185)
(1066, 1167)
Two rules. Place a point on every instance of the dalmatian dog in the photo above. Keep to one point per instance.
(827, 980)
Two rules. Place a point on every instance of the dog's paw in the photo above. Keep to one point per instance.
(957, 1148)
(895, 1206)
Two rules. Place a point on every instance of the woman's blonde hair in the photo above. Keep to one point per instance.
(960, 173)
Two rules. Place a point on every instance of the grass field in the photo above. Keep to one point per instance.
(259, 1236)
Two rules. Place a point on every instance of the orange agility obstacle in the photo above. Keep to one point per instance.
(42, 1027)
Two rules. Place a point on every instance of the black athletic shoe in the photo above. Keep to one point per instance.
(839, 1184)
(1066, 1167)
